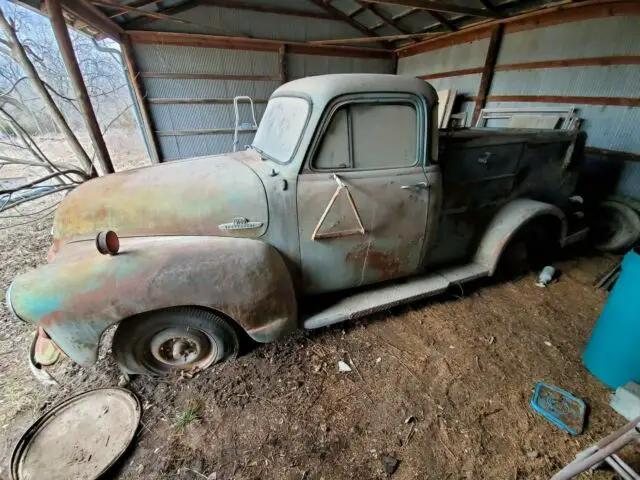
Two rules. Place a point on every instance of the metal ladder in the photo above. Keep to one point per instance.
(246, 126)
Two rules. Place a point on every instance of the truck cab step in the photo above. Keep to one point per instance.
(365, 303)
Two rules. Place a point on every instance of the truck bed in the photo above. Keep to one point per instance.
(484, 168)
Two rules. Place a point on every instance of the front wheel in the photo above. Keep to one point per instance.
(173, 340)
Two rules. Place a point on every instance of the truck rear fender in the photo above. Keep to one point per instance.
(81, 293)
(508, 222)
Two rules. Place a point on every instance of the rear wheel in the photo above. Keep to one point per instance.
(174, 340)
(533, 247)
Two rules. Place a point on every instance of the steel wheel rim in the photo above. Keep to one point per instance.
(183, 348)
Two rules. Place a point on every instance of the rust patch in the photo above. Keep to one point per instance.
(387, 264)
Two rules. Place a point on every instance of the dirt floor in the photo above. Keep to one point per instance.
(442, 385)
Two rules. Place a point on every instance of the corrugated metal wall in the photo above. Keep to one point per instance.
(608, 126)
(189, 92)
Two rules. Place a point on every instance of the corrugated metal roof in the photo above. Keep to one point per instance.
(252, 17)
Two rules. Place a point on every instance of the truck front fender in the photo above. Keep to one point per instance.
(506, 224)
(81, 293)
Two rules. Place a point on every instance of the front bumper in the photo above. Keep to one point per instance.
(43, 351)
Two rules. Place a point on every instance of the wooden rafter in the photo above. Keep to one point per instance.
(393, 20)
(136, 4)
(254, 44)
(551, 14)
(253, 7)
(161, 14)
(491, 7)
(442, 20)
(386, 38)
(339, 14)
(439, 6)
(386, 19)
(94, 17)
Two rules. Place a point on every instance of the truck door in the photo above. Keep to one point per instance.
(364, 193)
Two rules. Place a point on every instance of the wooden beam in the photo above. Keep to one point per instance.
(340, 15)
(565, 63)
(190, 133)
(554, 14)
(631, 156)
(487, 71)
(251, 7)
(491, 7)
(445, 40)
(197, 101)
(572, 62)
(158, 15)
(439, 7)
(136, 4)
(253, 44)
(452, 73)
(139, 93)
(54, 8)
(210, 76)
(388, 38)
(93, 17)
(282, 64)
(613, 101)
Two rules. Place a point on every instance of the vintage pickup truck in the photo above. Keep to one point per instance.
(348, 183)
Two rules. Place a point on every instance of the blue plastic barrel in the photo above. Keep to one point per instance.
(613, 352)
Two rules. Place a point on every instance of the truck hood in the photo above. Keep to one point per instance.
(200, 196)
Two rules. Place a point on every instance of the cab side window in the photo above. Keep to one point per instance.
(363, 136)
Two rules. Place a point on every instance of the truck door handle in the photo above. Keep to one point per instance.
(416, 186)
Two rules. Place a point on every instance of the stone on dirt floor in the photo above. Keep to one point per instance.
(123, 381)
(343, 367)
(389, 464)
(532, 455)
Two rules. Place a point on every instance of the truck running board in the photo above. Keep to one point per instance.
(377, 299)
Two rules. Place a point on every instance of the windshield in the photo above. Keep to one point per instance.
(281, 127)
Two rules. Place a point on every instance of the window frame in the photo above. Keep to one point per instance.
(296, 147)
(382, 98)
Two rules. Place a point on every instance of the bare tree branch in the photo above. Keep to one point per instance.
(29, 142)
(33, 183)
(106, 128)
(20, 56)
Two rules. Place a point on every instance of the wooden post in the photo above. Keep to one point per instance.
(282, 62)
(487, 71)
(75, 75)
(134, 80)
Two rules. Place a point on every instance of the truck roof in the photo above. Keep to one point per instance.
(323, 88)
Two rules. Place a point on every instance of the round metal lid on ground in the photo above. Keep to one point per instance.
(80, 438)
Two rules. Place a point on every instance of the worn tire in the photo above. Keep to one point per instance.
(174, 340)
(616, 227)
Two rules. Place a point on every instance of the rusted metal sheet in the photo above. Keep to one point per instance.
(77, 296)
(483, 170)
(190, 197)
